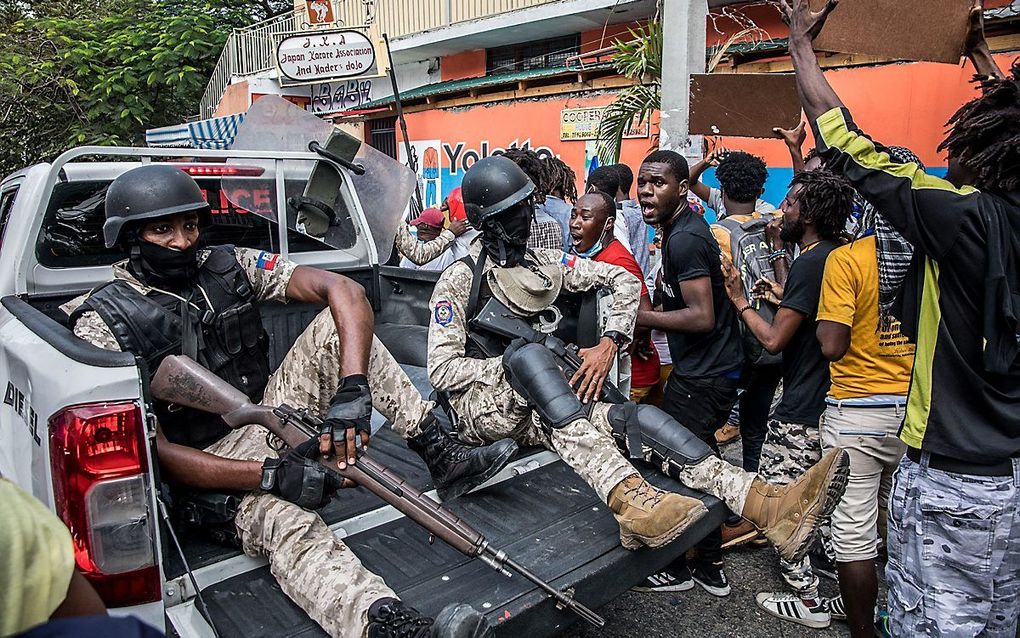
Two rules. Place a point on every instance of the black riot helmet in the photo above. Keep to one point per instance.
(491, 186)
(148, 192)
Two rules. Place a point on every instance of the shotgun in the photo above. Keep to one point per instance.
(182, 381)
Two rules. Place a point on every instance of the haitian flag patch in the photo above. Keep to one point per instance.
(267, 261)
(568, 260)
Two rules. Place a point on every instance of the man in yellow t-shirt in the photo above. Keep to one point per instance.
(870, 371)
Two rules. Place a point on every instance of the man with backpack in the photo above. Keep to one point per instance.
(814, 215)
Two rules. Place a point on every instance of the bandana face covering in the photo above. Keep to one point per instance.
(505, 239)
(156, 265)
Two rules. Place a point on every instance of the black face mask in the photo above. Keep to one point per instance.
(159, 266)
(505, 238)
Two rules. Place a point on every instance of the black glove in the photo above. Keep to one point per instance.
(298, 478)
(349, 415)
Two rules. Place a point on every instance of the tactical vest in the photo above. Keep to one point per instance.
(480, 345)
(232, 341)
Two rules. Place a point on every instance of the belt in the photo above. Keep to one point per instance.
(956, 466)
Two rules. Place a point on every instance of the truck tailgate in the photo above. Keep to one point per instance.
(548, 519)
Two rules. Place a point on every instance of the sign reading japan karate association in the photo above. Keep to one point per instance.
(326, 56)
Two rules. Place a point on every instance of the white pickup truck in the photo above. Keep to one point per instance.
(76, 432)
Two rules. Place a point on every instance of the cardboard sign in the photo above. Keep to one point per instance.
(932, 30)
(743, 104)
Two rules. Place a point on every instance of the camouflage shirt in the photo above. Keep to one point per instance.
(268, 273)
(422, 252)
(448, 367)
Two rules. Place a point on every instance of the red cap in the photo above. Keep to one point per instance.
(455, 200)
(430, 217)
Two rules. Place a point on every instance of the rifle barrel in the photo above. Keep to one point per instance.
(563, 598)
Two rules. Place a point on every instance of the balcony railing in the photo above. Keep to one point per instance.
(253, 49)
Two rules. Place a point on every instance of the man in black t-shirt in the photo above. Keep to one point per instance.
(702, 332)
(814, 213)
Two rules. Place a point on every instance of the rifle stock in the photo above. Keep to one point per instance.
(183, 381)
(499, 320)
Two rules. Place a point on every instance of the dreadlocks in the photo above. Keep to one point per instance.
(985, 134)
(826, 199)
(534, 168)
(561, 179)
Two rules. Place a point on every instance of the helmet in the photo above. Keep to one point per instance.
(491, 186)
(148, 192)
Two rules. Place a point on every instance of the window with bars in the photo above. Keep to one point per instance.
(538, 54)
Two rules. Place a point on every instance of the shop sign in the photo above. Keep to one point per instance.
(342, 95)
(583, 124)
(326, 56)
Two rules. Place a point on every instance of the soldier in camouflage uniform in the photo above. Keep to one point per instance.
(524, 395)
(169, 298)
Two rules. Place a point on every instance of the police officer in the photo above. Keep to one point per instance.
(168, 297)
(524, 395)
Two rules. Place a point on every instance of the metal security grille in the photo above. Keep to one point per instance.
(383, 135)
(538, 54)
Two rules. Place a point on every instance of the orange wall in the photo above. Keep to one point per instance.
(235, 99)
(478, 131)
(469, 64)
(595, 39)
(898, 104)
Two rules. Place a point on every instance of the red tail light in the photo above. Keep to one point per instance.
(220, 170)
(97, 454)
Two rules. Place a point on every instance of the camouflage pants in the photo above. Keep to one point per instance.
(790, 449)
(314, 568)
(488, 412)
(954, 552)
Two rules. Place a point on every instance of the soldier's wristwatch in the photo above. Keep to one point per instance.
(618, 338)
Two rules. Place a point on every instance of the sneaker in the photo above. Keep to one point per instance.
(835, 607)
(809, 612)
(882, 629)
(712, 579)
(824, 566)
(738, 534)
(666, 581)
(727, 434)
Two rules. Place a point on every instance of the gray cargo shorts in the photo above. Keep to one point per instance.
(954, 552)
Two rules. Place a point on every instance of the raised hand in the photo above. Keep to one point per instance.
(803, 22)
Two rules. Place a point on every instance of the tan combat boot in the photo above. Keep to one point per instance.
(649, 516)
(789, 515)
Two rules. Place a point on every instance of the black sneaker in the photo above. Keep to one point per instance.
(712, 579)
(835, 607)
(666, 581)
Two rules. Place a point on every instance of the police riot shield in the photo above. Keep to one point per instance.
(351, 195)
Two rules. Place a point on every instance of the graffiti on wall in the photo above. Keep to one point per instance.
(459, 157)
(426, 153)
(343, 95)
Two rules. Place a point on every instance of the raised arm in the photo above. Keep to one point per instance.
(794, 139)
(976, 47)
(816, 95)
(698, 187)
(422, 252)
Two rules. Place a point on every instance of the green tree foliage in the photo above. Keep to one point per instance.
(639, 58)
(76, 72)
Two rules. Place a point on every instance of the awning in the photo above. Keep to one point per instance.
(215, 133)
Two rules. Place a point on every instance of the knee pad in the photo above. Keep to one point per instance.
(636, 427)
(535, 375)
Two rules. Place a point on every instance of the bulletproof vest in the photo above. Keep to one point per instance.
(480, 345)
(231, 340)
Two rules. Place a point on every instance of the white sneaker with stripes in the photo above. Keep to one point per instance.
(810, 613)
(666, 581)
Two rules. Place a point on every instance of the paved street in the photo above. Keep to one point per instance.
(697, 613)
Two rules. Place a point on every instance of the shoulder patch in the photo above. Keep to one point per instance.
(568, 260)
(266, 261)
(444, 312)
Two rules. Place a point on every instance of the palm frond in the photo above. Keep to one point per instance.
(638, 102)
(641, 56)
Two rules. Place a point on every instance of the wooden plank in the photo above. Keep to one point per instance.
(932, 30)
(743, 104)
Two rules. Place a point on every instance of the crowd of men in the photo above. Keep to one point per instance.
(865, 330)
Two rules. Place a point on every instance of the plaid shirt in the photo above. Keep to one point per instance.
(546, 234)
